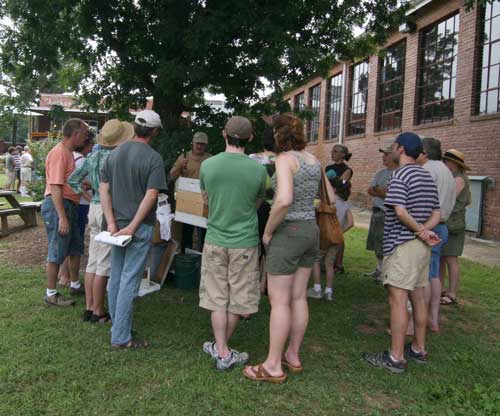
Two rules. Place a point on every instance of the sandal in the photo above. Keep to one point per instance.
(101, 319)
(261, 374)
(448, 300)
(292, 368)
(133, 344)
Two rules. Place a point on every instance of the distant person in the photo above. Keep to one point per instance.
(234, 186)
(378, 190)
(292, 239)
(59, 212)
(454, 248)
(26, 171)
(113, 133)
(340, 169)
(188, 165)
(412, 211)
(17, 166)
(346, 221)
(10, 168)
(131, 178)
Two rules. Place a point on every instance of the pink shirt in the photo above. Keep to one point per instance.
(58, 166)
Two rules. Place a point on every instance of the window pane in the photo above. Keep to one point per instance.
(492, 102)
(493, 78)
(334, 102)
(359, 96)
(438, 72)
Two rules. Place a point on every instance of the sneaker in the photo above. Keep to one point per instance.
(418, 357)
(58, 300)
(234, 358)
(374, 274)
(315, 294)
(328, 296)
(384, 360)
(211, 349)
(79, 291)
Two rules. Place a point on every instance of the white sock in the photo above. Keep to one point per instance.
(328, 290)
(75, 285)
(317, 287)
(50, 292)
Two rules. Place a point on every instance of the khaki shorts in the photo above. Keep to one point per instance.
(230, 279)
(294, 244)
(99, 253)
(408, 265)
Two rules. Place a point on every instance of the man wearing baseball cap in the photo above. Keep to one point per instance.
(234, 185)
(378, 190)
(411, 212)
(188, 166)
(131, 178)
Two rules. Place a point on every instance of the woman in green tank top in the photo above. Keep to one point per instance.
(453, 249)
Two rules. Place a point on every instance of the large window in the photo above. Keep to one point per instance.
(438, 71)
(391, 88)
(314, 104)
(333, 107)
(490, 73)
(299, 102)
(359, 99)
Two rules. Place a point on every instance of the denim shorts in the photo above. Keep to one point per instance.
(60, 246)
(442, 231)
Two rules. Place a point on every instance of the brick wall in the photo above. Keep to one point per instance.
(478, 137)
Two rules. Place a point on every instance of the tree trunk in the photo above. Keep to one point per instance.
(169, 109)
(14, 131)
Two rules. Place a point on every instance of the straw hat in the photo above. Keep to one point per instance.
(115, 132)
(457, 157)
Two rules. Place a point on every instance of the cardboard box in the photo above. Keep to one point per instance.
(189, 203)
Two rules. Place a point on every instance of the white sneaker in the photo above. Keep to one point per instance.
(328, 295)
(234, 358)
(210, 348)
(314, 294)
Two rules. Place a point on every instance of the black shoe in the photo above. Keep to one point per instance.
(77, 291)
(87, 315)
(418, 357)
(384, 360)
(101, 319)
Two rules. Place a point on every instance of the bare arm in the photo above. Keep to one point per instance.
(143, 211)
(423, 231)
(347, 175)
(350, 221)
(459, 184)
(56, 191)
(107, 207)
(284, 197)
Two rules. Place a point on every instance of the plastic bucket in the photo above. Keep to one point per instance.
(187, 271)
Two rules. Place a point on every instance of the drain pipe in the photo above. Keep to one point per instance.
(342, 102)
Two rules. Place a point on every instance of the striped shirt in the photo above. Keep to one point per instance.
(17, 161)
(412, 188)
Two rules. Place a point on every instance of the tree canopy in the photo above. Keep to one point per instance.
(122, 51)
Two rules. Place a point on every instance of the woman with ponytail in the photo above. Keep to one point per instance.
(339, 167)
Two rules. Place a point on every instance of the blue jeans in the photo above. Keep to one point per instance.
(127, 267)
(442, 231)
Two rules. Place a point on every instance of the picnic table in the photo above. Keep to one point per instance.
(26, 210)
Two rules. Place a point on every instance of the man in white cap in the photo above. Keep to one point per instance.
(131, 179)
(234, 185)
(188, 166)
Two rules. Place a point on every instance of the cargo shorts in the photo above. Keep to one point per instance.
(230, 279)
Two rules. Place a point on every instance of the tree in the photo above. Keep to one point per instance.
(123, 51)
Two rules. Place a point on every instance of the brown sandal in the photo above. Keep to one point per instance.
(133, 344)
(292, 368)
(261, 374)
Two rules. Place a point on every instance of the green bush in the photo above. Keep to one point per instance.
(39, 150)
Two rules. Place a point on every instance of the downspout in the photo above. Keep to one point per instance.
(342, 102)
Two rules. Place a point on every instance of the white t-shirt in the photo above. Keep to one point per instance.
(445, 185)
(342, 208)
(26, 160)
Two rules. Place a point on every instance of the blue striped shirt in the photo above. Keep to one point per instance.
(412, 188)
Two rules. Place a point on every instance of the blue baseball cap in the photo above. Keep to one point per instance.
(411, 142)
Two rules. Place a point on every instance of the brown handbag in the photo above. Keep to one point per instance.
(330, 231)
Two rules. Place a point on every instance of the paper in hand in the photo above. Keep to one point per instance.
(106, 238)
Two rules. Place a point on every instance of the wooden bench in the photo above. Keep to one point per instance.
(4, 214)
(29, 210)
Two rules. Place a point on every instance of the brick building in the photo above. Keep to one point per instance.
(439, 76)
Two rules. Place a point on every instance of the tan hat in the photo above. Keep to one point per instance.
(200, 137)
(386, 150)
(115, 132)
(457, 157)
(239, 127)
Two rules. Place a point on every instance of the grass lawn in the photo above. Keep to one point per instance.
(52, 363)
